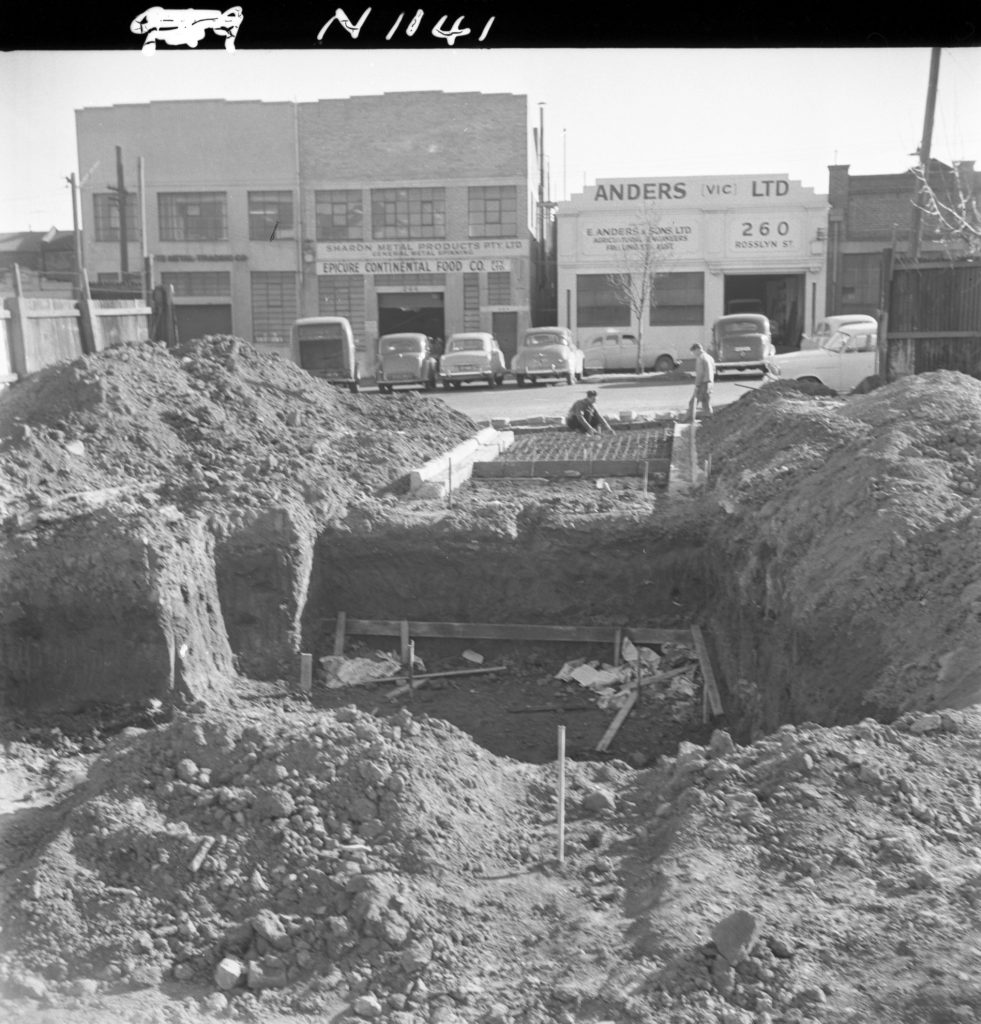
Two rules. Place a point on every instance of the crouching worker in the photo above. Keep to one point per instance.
(585, 417)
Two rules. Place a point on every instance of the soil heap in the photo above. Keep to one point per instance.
(161, 509)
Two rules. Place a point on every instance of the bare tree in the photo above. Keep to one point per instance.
(951, 205)
(641, 255)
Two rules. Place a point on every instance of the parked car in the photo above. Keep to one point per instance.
(472, 356)
(547, 353)
(405, 359)
(324, 347)
(845, 359)
(609, 351)
(741, 341)
(823, 329)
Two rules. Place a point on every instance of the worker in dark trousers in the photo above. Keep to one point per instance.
(585, 417)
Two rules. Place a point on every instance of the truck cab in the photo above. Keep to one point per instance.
(324, 347)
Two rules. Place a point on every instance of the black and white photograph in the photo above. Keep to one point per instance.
(490, 516)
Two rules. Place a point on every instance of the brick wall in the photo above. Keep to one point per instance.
(418, 136)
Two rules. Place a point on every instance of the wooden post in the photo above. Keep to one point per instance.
(691, 442)
(306, 672)
(404, 641)
(646, 469)
(617, 642)
(561, 795)
(339, 634)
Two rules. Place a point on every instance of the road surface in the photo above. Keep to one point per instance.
(651, 393)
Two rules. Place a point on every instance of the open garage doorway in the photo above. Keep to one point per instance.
(778, 296)
(399, 312)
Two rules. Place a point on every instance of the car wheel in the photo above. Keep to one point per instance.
(810, 380)
(458, 384)
(663, 364)
(520, 378)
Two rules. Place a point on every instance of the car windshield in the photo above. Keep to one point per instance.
(837, 342)
(402, 345)
(741, 327)
(541, 340)
(465, 345)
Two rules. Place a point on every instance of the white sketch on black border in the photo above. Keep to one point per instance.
(186, 27)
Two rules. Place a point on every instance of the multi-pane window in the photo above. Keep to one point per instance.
(471, 302)
(199, 284)
(107, 217)
(499, 288)
(408, 213)
(342, 295)
(860, 281)
(493, 211)
(270, 216)
(340, 214)
(193, 216)
(273, 306)
(678, 299)
(598, 304)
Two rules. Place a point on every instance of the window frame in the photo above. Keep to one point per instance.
(274, 228)
(174, 218)
(408, 213)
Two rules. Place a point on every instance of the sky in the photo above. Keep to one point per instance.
(608, 112)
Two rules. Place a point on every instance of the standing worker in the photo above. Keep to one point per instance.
(585, 417)
(704, 375)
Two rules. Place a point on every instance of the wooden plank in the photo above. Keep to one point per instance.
(339, 634)
(306, 672)
(708, 675)
(619, 720)
(417, 681)
(513, 631)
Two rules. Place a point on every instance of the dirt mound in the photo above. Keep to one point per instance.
(213, 425)
(296, 861)
(853, 527)
(162, 505)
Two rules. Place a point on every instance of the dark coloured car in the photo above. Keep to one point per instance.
(742, 341)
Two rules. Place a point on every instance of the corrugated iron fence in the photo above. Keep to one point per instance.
(934, 320)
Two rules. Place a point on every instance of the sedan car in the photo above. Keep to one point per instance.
(405, 358)
(826, 327)
(472, 356)
(547, 353)
(845, 359)
(742, 341)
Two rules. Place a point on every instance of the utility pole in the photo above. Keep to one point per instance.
(146, 277)
(72, 181)
(120, 199)
(541, 193)
(924, 151)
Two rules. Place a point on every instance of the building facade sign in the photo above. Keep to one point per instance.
(722, 191)
(201, 258)
(450, 265)
(772, 232)
(601, 238)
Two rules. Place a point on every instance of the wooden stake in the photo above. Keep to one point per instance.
(339, 634)
(691, 443)
(306, 672)
(646, 468)
(403, 641)
(561, 795)
(203, 849)
(617, 642)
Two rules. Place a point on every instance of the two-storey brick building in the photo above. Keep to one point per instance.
(405, 211)
(874, 212)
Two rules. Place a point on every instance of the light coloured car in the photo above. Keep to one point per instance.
(547, 353)
(610, 351)
(823, 329)
(845, 359)
(472, 356)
